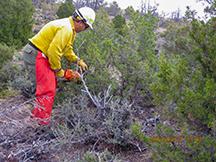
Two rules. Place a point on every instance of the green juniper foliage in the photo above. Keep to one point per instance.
(66, 9)
(15, 22)
(6, 54)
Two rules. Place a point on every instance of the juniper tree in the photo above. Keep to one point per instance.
(16, 22)
(66, 9)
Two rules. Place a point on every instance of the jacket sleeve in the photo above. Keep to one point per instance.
(54, 52)
(70, 55)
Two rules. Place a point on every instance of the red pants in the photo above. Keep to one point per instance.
(45, 90)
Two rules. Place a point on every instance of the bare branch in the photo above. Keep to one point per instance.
(97, 104)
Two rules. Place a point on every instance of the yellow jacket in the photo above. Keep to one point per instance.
(55, 40)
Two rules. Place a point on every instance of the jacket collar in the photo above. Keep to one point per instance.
(72, 24)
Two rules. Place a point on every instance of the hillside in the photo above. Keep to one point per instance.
(148, 95)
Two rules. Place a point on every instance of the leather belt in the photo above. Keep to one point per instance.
(32, 45)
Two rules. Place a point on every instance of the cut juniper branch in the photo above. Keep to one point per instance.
(93, 148)
(24, 150)
(13, 108)
(12, 121)
(99, 101)
(98, 105)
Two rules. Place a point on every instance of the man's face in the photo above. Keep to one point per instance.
(81, 26)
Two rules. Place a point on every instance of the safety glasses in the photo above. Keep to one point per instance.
(86, 25)
(81, 18)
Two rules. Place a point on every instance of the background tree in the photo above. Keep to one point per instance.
(113, 9)
(176, 15)
(184, 87)
(136, 55)
(211, 8)
(66, 9)
(37, 3)
(6, 54)
(146, 7)
(95, 4)
(119, 24)
(16, 22)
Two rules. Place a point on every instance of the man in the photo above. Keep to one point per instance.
(42, 57)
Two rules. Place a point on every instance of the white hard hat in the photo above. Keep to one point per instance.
(87, 15)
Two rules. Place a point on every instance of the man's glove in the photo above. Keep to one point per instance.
(71, 75)
(82, 64)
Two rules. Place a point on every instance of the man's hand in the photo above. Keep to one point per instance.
(71, 75)
(83, 65)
